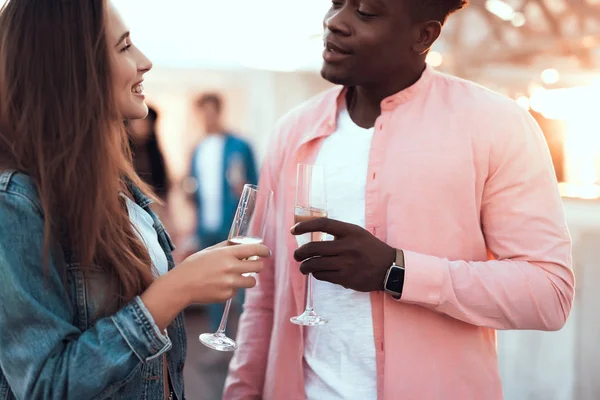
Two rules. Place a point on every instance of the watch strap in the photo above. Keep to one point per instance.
(399, 258)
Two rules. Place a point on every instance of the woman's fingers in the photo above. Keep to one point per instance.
(248, 267)
(244, 251)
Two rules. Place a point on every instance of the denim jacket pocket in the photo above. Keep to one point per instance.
(90, 291)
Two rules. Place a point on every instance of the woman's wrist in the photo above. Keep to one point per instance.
(178, 287)
(165, 299)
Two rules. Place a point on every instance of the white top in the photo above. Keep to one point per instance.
(339, 357)
(144, 227)
(209, 169)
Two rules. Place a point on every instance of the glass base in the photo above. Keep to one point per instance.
(308, 318)
(218, 341)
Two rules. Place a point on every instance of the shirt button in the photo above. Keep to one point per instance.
(380, 126)
(374, 175)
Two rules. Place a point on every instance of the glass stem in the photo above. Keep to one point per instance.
(309, 299)
(225, 317)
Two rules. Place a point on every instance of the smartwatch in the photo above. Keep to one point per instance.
(394, 278)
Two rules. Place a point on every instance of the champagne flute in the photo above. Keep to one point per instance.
(248, 227)
(311, 203)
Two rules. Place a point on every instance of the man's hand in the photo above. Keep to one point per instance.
(355, 259)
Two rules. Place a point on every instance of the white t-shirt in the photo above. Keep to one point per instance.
(144, 227)
(209, 169)
(339, 357)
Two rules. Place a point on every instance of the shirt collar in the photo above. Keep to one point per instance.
(337, 96)
(406, 95)
(138, 197)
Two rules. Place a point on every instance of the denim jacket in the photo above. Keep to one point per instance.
(56, 341)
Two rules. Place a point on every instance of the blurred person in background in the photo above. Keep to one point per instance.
(90, 301)
(446, 219)
(222, 164)
(149, 163)
(148, 159)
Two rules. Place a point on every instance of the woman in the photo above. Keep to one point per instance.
(90, 305)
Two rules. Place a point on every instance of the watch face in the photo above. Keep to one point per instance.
(395, 280)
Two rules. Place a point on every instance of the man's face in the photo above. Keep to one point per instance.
(211, 116)
(367, 41)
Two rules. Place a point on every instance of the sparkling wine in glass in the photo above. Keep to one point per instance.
(311, 203)
(303, 214)
(248, 227)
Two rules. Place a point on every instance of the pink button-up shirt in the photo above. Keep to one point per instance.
(461, 179)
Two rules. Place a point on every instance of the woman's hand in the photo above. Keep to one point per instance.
(212, 275)
(215, 274)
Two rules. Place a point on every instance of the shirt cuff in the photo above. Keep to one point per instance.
(423, 279)
(136, 325)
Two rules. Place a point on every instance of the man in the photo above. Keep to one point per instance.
(446, 216)
(221, 165)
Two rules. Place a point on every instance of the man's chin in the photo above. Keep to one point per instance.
(336, 76)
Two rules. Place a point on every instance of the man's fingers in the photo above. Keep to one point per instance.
(330, 226)
(318, 249)
(326, 276)
(315, 265)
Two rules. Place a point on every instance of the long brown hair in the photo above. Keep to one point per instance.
(59, 124)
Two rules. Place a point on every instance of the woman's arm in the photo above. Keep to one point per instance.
(42, 354)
